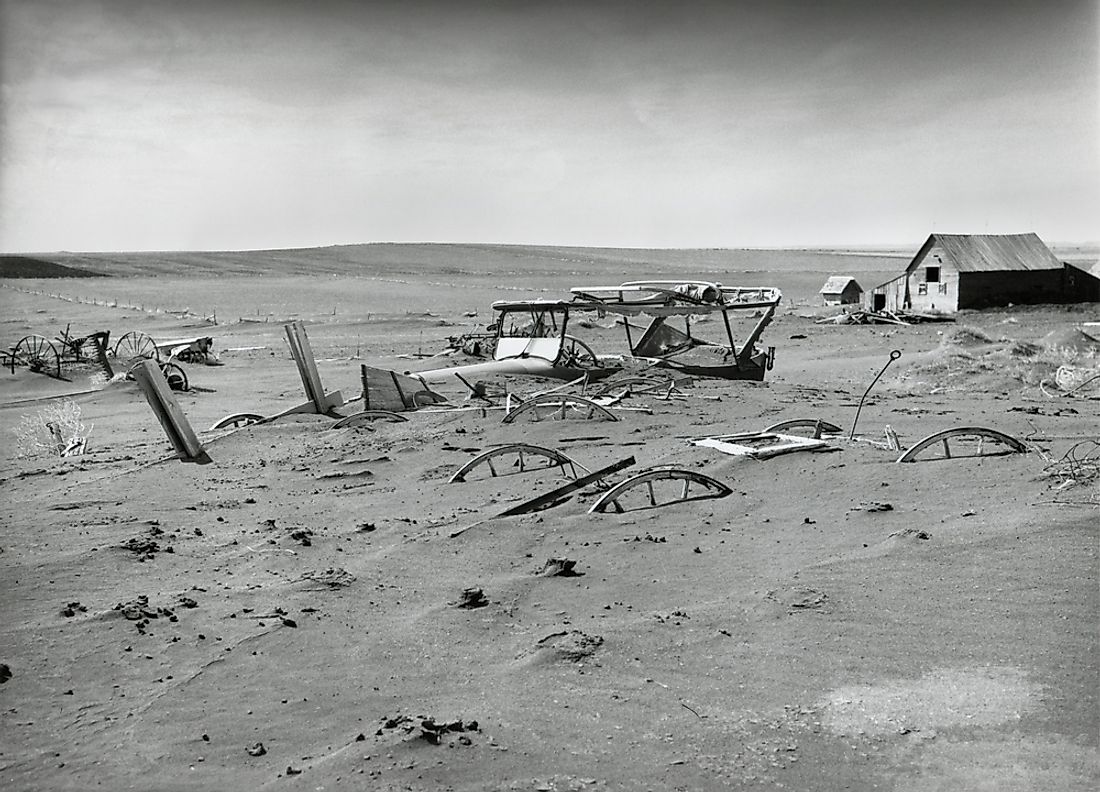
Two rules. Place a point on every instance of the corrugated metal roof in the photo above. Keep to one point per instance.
(991, 253)
(836, 284)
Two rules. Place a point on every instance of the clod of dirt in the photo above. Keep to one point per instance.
(302, 536)
(560, 567)
(5, 673)
(71, 609)
(648, 538)
(799, 598)
(333, 577)
(366, 527)
(256, 749)
(292, 771)
(434, 732)
(142, 547)
(472, 598)
(911, 533)
(571, 645)
(875, 506)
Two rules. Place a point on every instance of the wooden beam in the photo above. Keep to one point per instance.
(155, 387)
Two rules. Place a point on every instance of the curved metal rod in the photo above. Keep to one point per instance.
(557, 458)
(237, 419)
(563, 401)
(713, 487)
(816, 424)
(964, 431)
(368, 415)
(893, 356)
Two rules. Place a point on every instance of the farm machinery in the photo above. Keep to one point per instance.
(67, 352)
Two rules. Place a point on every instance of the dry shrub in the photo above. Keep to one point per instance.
(968, 336)
(55, 430)
(999, 366)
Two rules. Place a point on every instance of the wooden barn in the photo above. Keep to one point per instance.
(841, 290)
(954, 271)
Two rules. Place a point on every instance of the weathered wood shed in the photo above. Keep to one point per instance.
(953, 271)
(841, 290)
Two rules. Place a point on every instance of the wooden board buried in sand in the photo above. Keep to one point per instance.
(761, 445)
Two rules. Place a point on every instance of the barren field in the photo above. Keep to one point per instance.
(296, 614)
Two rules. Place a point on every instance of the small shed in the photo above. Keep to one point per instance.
(841, 290)
(953, 271)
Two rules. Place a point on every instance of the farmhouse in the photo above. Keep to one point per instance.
(841, 290)
(954, 271)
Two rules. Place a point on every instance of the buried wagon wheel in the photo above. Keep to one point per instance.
(559, 406)
(237, 420)
(38, 354)
(969, 441)
(707, 487)
(136, 345)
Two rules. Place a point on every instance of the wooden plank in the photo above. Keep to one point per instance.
(302, 352)
(155, 387)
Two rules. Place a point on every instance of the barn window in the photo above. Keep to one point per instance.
(932, 274)
(922, 288)
(943, 288)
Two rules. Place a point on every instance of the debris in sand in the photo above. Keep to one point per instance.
(332, 577)
(911, 533)
(5, 673)
(256, 749)
(761, 445)
(425, 728)
(472, 598)
(798, 598)
(143, 548)
(875, 506)
(72, 608)
(571, 645)
(559, 567)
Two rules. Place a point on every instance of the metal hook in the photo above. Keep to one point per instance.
(894, 355)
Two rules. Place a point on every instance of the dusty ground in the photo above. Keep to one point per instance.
(162, 621)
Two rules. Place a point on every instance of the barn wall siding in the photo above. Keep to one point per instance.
(987, 289)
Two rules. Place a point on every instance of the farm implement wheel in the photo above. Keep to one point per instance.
(176, 377)
(970, 441)
(575, 352)
(707, 487)
(237, 420)
(38, 354)
(136, 345)
(557, 406)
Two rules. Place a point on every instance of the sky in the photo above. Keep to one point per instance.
(198, 125)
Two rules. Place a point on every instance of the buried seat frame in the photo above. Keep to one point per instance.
(980, 432)
(557, 459)
(712, 488)
(564, 402)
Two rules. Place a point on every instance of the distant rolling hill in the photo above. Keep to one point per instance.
(392, 259)
(32, 267)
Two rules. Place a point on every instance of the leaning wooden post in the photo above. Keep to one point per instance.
(182, 436)
(300, 350)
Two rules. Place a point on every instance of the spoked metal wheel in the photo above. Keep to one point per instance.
(575, 352)
(237, 420)
(136, 345)
(38, 354)
(176, 377)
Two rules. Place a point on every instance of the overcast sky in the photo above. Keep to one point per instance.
(150, 125)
